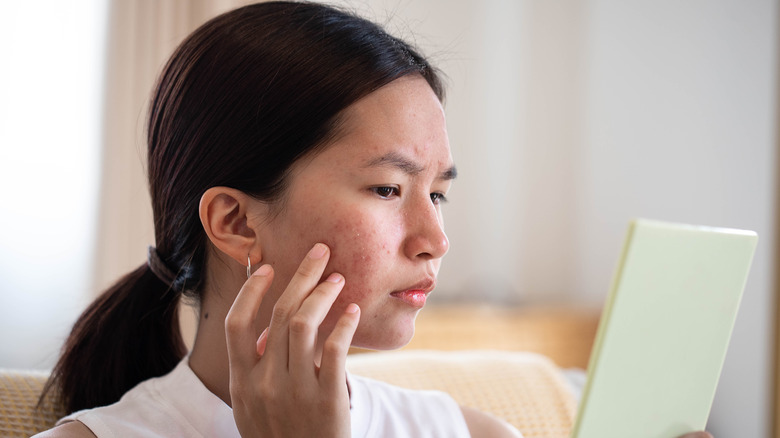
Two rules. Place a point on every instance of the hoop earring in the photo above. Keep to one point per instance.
(248, 267)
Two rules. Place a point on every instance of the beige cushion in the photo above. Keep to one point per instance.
(525, 389)
(19, 415)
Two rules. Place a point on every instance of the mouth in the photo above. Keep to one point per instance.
(416, 295)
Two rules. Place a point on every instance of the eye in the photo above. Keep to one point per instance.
(385, 192)
(438, 198)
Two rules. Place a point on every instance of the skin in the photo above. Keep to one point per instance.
(360, 221)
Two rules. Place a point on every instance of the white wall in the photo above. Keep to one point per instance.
(50, 84)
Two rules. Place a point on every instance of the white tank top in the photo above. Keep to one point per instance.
(179, 405)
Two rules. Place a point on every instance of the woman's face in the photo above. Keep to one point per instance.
(373, 196)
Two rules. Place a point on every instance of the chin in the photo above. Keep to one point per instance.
(389, 337)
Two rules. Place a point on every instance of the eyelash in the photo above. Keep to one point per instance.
(436, 197)
(379, 191)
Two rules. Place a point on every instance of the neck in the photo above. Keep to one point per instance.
(209, 358)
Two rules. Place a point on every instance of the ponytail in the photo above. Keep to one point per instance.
(127, 335)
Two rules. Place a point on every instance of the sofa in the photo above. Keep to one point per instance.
(505, 361)
(526, 389)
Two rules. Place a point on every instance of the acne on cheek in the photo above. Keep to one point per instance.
(354, 255)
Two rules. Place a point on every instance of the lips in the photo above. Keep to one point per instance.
(414, 298)
(416, 295)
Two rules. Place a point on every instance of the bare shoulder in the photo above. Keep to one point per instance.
(72, 429)
(482, 424)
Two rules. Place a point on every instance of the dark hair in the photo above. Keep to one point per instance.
(240, 100)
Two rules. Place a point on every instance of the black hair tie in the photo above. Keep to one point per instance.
(158, 267)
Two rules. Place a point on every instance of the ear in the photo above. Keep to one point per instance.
(223, 213)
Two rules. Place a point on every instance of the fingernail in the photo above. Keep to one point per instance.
(334, 278)
(263, 271)
(318, 251)
(352, 308)
(261, 342)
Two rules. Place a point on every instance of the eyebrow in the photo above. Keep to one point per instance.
(393, 159)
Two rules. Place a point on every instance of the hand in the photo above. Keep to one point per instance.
(276, 388)
(701, 434)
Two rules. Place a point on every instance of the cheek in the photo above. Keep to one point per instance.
(362, 249)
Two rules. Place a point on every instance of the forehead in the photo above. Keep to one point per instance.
(404, 118)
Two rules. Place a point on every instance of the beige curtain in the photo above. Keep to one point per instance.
(142, 34)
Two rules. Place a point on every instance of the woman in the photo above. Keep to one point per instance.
(298, 158)
(276, 131)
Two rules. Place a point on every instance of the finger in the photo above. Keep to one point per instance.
(334, 351)
(303, 282)
(305, 324)
(240, 321)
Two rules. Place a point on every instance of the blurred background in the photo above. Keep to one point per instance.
(567, 119)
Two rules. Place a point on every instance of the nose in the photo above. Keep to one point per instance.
(425, 232)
